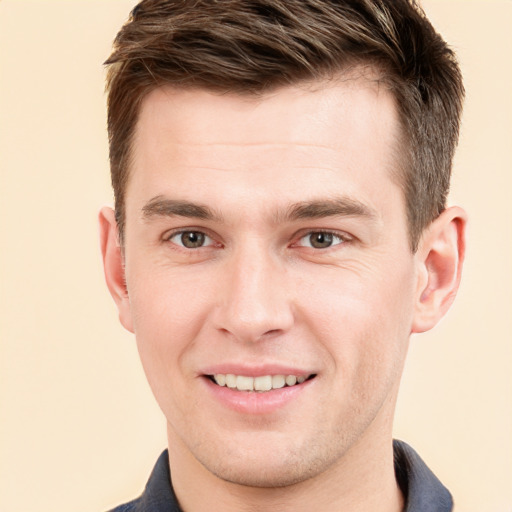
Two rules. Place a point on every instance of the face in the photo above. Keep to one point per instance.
(270, 284)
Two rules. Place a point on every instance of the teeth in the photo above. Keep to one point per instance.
(291, 380)
(230, 380)
(244, 383)
(220, 379)
(263, 383)
(278, 381)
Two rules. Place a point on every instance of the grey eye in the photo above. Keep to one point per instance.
(191, 239)
(320, 240)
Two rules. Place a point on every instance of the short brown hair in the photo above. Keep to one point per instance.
(254, 46)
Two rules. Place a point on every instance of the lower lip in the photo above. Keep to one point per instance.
(254, 402)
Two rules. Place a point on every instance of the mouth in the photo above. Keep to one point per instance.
(260, 384)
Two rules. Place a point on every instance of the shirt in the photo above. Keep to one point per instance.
(421, 489)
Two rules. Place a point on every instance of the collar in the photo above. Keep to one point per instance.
(422, 491)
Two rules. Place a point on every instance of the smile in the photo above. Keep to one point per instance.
(261, 384)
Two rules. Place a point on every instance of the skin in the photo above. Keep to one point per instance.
(259, 177)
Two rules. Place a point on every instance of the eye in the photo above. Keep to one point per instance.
(191, 239)
(321, 240)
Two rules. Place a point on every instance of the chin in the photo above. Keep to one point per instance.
(279, 475)
(269, 466)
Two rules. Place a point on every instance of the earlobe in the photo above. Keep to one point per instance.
(113, 265)
(439, 257)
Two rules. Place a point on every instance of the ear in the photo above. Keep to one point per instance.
(439, 258)
(113, 265)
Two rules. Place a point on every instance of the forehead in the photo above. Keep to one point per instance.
(357, 99)
(299, 137)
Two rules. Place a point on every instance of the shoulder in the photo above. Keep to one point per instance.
(132, 506)
(422, 490)
(158, 496)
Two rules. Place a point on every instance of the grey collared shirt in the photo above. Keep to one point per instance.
(422, 491)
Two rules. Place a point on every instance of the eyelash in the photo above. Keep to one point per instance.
(341, 237)
(168, 238)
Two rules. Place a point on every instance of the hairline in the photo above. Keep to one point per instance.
(367, 70)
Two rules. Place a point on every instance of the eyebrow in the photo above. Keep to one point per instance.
(164, 207)
(161, 206)
(338, 207)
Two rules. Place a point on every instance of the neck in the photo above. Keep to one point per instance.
(363, 481)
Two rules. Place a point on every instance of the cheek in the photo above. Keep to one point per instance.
(168, 313)
(362, 319)
(165, 301)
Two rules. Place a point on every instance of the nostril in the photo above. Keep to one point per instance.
(270, 333)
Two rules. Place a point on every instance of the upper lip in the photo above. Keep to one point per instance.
(254, 370)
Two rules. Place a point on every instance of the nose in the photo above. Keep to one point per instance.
(255, 302)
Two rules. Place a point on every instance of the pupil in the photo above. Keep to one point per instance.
(321, 240)
(192, 239)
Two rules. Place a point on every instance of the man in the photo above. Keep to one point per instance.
(280, 171)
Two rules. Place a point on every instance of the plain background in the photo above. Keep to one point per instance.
(79, 429)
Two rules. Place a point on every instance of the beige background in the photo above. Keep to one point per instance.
(78, 426)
